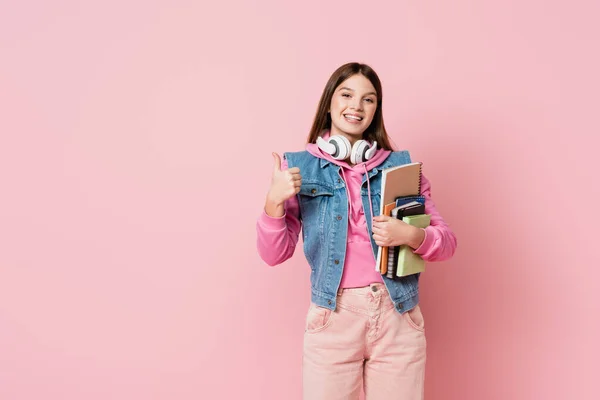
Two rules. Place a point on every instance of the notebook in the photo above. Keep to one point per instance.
(401, 181)
(408, 262)
(407, 199)
(387, 210)
(410, 208)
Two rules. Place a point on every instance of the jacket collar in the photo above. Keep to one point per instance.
(386, 164)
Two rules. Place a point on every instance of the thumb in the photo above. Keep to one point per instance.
(381, 218)
(277, 159)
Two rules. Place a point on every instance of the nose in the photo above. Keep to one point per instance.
(356, 104)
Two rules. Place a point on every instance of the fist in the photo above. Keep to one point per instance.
(284, 184)
(388, 231)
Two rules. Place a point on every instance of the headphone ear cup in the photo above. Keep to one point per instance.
(371, 151)
(358, 152)
(343, 147)
(326, 146)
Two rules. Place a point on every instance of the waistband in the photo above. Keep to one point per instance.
(363, 291)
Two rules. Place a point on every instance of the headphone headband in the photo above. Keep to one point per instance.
(339, 148)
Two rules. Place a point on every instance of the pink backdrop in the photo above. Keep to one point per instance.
(135, 157)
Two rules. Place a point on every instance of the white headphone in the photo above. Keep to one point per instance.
(339, 148)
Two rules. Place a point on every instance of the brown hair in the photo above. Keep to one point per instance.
(375, 131)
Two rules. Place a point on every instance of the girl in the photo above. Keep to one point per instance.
(363, 330)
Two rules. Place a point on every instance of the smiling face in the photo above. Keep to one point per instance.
(352, 107)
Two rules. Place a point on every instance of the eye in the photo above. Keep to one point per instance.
(369, 100)
(345, 95)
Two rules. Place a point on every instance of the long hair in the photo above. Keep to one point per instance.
(375, 131)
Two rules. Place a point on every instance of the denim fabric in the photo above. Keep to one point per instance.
(323, 204)
(364, 343)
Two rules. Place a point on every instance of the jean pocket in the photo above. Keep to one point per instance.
(317, 318)
(415, 318)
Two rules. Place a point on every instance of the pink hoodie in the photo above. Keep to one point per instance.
(277, 236)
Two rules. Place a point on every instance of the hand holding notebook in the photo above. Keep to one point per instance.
(400, 181)
(404, 210)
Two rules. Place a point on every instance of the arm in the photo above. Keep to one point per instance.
(277, 235)
(440, 242)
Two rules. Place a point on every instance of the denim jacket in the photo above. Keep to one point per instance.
(324, 212)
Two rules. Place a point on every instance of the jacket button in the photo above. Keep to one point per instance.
(313, 191)
(336, 261)
(339, 217)
(399, 305)
(339, 180)
(329, 302)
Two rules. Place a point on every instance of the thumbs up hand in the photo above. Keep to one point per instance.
(284, 184)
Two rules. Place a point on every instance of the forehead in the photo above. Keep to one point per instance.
(358, 83)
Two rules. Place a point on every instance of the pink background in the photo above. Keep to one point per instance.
(135, 157)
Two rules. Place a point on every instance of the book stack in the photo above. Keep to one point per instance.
(401, 198)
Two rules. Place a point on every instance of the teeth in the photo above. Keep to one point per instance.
(353, 117)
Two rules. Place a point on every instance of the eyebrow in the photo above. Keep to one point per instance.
(352, 90)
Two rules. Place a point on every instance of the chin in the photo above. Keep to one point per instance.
(357, 131)
(351, 130)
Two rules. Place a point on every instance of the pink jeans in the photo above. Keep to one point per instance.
(364, 342)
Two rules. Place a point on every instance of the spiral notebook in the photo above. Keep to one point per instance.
(403, 180)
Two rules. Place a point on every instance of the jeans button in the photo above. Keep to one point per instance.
(374, 288)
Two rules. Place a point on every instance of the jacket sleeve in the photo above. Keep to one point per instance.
(440, 242)
(277, 236)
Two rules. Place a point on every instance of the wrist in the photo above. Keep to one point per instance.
(417, 238)
(273, 201)
(274, 208)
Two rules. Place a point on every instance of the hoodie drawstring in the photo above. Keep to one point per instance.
(369, 190)
(347, 192)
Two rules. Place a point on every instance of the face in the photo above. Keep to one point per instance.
(352, 107)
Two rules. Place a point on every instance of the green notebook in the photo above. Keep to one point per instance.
(408, 262)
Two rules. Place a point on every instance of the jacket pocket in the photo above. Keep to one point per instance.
(315, 189)
(314, 200)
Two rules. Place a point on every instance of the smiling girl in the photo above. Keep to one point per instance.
(363, 331)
